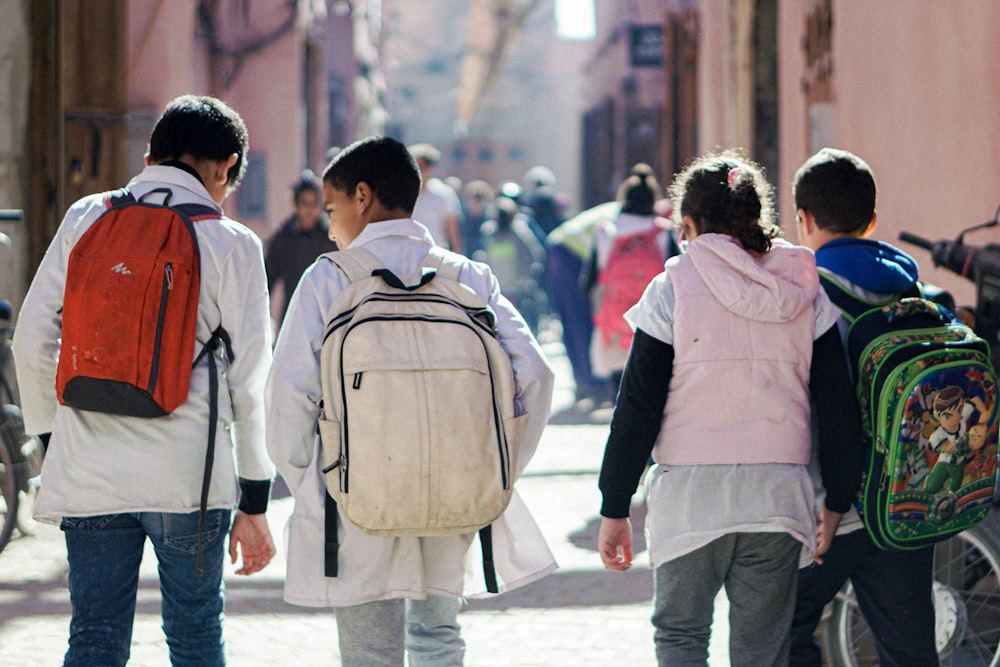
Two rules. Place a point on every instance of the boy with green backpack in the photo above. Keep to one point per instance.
(835, 212)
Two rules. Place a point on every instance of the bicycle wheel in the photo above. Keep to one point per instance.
(9, 492)
(966, 606)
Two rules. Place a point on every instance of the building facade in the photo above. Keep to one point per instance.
(910, 85)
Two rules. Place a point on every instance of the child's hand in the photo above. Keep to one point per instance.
(615, 543)
(251, 536)
(826, 529)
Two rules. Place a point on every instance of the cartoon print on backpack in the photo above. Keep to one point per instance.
(947, 450)
(950, 441)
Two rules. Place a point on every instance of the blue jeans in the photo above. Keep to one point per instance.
(570, 303)
(758, 571)
(104, 554)
(377, 634)
(894, 593)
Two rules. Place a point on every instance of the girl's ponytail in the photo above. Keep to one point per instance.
(639, 192)
(725, 193)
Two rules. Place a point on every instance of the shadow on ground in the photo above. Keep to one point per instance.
(574, 588)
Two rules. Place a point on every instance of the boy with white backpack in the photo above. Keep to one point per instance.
(341, 452)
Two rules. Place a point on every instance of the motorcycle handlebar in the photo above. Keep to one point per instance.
(918, 241)
(971, 262)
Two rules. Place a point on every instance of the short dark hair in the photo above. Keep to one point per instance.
(837, 188)
(307, 183)
(205, 128)
(381, 162)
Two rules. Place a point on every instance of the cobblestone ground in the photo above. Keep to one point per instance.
(580, 615)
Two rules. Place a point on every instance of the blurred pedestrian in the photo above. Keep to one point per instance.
(301, 238)
(516, 258)
(539, 195)
(438, 207)
(629, 251)
(477, 196)
(569, 249)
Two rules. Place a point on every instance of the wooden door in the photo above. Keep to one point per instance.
(78, 107)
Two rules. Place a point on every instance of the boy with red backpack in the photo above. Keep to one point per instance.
(132, 451)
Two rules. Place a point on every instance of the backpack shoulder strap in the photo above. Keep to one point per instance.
(196, 212)
(356, 263)
(849, 304)
(118, 198)
(443, 262)
(191, 211)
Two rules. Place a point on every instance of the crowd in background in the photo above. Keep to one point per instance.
(569, 274)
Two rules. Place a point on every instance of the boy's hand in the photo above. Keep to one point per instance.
(251, 536)
(829, 521)
(615, 543)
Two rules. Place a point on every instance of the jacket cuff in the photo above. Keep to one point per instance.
(840, 507)
(254, 494)
(616, 507)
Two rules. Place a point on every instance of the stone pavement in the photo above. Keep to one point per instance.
(580, 615)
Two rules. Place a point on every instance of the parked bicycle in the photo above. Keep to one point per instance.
(20, 454)
(967, 566)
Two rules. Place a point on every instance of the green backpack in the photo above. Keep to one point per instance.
(928, 400)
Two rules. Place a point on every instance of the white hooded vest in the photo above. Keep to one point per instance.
(743, 331)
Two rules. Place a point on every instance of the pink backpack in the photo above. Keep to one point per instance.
(635, 259)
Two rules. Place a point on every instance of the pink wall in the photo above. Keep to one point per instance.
(172, 59)
(916, 93)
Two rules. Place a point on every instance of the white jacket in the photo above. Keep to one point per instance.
(377, 568)
(104, 464)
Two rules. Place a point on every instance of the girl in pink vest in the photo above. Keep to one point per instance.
(738, 336)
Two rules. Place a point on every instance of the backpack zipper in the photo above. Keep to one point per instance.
(900, 341)
(475, 314)
(168, 285)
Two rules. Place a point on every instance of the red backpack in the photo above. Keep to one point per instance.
(635, 259)
(130, 308)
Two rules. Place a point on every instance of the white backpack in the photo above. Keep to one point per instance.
(418, 429)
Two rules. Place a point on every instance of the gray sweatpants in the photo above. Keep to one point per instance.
(376, 634)
(759, 573)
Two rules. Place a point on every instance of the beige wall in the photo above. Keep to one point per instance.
(916, 92)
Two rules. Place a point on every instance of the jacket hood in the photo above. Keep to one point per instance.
(774, 287)
(871, 265)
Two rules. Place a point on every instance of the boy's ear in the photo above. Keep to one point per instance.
(871, 226)
(363, 195)
(807, 223)
(222, 173)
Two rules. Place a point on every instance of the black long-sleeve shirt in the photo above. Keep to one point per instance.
(643, 396)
